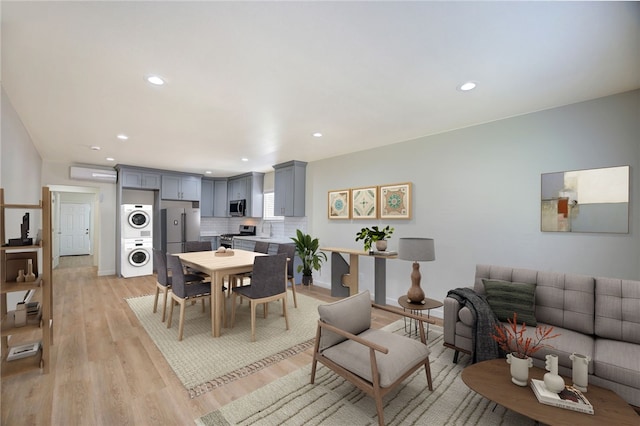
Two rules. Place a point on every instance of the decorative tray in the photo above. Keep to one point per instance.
(224, 253)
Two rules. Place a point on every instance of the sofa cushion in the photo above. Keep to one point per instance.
(507, 297)
(617, 361)
(617, 309)
(352, 314)
(566, 300)
(404, 353)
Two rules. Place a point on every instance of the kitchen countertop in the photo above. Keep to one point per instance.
(209, 234)
(273, 240)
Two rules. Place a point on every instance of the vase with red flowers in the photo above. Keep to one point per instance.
(512, 339)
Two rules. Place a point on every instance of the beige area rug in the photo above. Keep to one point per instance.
(291, 400)
(203, 363)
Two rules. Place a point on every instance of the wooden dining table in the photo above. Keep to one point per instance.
(217, 267)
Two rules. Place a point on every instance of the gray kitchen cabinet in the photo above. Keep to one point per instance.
(139, 179)
(220, 204)
(179, 187)
(211, 238)
(289, 193)
(249, 187)
(243, 244)
(206, 198)
(213, 201)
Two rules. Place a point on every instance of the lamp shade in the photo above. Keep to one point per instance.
(416, 249)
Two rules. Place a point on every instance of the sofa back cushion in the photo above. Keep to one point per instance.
(562, 300)
(618, 309)
(507, 298)
(352, 314)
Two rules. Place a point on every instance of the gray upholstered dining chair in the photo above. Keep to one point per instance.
(181, 292)
(268, 284)
(260, 247)
(190, 246)
(376, 361)
(163, 281)
(290, 251)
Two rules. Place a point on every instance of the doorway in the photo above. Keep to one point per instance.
(75, 226)
(76, 221)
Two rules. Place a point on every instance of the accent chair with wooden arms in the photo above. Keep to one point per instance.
(268, 284)
(375, 361)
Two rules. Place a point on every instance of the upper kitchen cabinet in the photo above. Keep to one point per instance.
(213, 202)
(290, 182)
(138, 179)
(220, 205)
(249, 187)
(181, 187)
(206, 198)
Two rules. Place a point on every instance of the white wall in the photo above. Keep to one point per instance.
(476, 191)
(20, 166)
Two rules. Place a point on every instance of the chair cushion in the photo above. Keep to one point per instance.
(404, 353)
(506, 297)
(352, 314)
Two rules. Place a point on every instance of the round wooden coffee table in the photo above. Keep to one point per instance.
(492, 380)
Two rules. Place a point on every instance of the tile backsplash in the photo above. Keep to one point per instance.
(277, 229)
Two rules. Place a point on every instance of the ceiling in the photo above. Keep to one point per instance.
(257, 79)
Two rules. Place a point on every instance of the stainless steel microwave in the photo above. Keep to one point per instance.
(237, 208)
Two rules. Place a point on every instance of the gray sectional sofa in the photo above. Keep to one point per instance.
(598, 317)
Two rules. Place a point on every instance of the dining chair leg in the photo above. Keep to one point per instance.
(155, 300)
(181, 324)
(253, 320)
(293, 289)
(164, 303)
(233, 310)
(284, 311)
(169, 320)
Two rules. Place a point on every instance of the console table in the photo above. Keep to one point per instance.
(344, 276)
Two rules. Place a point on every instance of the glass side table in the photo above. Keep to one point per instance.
(417, 309)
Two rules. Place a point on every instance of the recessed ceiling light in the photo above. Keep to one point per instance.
(155, 80)
(469, 85)
(244, 159)
(95, 148)
(122, 137)
(317, 135)
(208, 172)
(110, 159)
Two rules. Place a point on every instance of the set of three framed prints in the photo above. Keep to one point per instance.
(372, 202)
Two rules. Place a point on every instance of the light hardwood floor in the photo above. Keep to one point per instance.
(107, 371)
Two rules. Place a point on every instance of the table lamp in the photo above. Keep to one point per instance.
(416, 250)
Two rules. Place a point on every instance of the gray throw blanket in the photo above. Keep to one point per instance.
(484, 347)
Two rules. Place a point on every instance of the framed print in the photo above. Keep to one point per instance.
(339, 204)
(395, 201)
(364, 203)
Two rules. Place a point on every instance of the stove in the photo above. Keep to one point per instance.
(226, 240)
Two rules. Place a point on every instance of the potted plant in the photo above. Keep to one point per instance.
(374, 235)
(511, 339)
(307, 251)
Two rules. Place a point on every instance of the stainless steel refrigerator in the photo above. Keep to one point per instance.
(178, 225)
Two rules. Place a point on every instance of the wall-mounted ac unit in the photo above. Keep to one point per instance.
(96, 175)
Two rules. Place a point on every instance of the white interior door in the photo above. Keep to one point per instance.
(74, 229)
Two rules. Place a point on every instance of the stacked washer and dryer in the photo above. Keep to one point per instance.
(136, 240)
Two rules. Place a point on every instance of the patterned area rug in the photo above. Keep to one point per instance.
(291, 400)
(203, 363)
